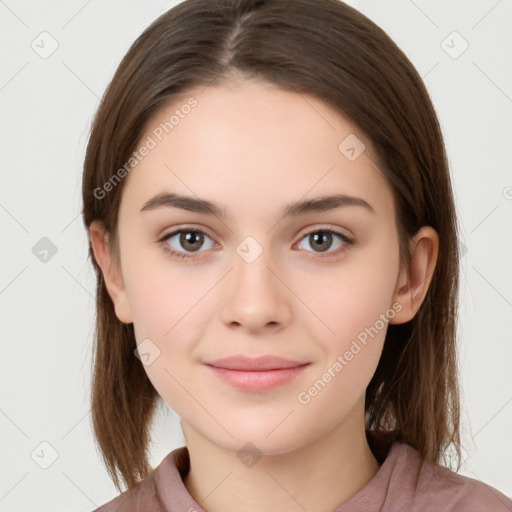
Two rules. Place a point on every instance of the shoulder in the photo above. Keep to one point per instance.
(140, 498)
(467, 494)
(438, 488)
(161, 487)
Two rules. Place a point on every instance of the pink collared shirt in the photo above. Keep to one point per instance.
(404, 483)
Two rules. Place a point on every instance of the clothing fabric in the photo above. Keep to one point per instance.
(404, 483)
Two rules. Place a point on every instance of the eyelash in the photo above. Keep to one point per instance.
(181, 255)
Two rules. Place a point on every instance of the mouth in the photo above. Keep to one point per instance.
(256, 374)
(262, 363)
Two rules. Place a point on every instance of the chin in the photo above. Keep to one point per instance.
(256, 440)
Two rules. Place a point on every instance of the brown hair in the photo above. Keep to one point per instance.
(330, 50)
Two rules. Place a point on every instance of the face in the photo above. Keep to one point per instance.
(317, 287)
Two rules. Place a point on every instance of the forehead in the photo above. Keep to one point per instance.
(251, 144)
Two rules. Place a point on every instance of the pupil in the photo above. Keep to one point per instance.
(321, 237)
(191, 238)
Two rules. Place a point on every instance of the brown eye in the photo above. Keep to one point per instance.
(191, 240)
(183, 241)
(322, 240)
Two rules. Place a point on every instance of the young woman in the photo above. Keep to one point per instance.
(273, 229)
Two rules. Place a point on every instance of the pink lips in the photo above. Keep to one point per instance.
(256, 374)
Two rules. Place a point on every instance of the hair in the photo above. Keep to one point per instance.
(330, 50)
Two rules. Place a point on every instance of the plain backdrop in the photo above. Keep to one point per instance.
(48, 457)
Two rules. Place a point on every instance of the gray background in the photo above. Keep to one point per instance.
(47, 298)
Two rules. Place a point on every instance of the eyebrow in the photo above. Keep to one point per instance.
(192, 204)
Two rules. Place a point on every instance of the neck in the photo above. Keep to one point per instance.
(320, 476)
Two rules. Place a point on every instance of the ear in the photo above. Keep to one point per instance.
(111, 271)
(413, 281)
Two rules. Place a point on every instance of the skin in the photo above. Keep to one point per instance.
(252, 148)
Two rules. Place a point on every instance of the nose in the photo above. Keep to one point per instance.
(255, 298)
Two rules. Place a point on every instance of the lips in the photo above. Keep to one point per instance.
(256, 374)
(254, 364)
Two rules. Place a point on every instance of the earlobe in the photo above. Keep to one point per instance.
(111, 272)
(413, 282)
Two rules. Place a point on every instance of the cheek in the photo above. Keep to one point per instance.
(165, 308)
(357, 308)
(353, 296)
(161, 293)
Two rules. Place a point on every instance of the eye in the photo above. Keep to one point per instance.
(321, 241)
(185, 240)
